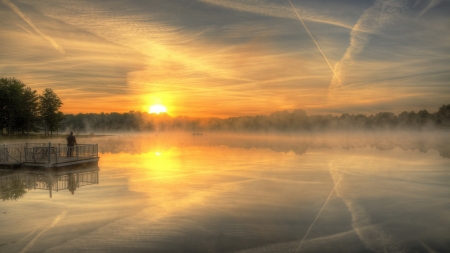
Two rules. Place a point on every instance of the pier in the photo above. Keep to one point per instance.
(47, 155)
(15, 183)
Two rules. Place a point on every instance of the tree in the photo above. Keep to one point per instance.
(49, 104)
(18, 106)
(3, 103)
(443, 116)
(11, 93)
(28, 118)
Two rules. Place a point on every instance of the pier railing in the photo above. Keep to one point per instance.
(46, 153)
(60, 153)
(11, 152)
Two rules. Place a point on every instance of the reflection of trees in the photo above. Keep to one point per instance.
(444, 150)
(12, 190)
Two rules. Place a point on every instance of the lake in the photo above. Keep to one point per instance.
(174, 192)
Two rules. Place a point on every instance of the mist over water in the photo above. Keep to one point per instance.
(175, 192)
(297, 143)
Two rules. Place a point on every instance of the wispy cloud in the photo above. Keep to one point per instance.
(278, 10)
(30, 23)
(242, 56)
(373, 19)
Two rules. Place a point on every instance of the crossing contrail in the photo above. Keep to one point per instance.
(315, 42)
(318, 214)
(30, 23)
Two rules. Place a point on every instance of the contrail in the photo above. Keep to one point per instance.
(430, 5)
(26, 19)
(372, 20)
(55, 221)
(24, 29)
(318, 214)
(315, 42)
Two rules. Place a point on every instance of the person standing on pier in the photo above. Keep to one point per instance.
(71, 141)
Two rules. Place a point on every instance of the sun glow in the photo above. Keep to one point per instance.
(157, 109)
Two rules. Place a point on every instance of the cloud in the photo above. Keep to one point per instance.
(26, 19)
(277, 10)
(255, 54)
(373, 20)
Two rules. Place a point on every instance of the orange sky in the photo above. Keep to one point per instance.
(229, 58)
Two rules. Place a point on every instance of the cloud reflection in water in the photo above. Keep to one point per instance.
(261, 194)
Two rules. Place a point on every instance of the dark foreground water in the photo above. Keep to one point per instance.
(230, 193)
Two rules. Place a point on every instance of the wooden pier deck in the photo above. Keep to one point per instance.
(47, 155)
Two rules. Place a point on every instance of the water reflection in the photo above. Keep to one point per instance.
(299, 143)
(337, 196)
(15, 184)
(12, 189)
(246, 194)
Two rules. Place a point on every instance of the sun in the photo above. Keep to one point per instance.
(157, 109)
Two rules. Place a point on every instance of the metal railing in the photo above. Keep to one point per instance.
(46, 153)
(60, 153)
(11, 152)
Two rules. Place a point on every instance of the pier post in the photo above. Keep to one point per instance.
(49, 184)
(49, 155)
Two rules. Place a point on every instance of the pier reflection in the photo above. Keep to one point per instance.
(15, 184)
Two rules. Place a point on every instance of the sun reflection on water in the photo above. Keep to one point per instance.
(250, 192)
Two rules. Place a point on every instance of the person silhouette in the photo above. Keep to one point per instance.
(71, 141)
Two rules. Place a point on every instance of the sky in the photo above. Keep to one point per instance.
(223, 58)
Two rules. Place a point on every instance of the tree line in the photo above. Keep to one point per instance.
(22, 110)
(282, 121)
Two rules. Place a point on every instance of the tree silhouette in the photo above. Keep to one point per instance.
(443, 116)
(18, 106)
(29, 114)
(283, 121)
(49, 104)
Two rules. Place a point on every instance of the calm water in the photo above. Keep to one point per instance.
(217, 193)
